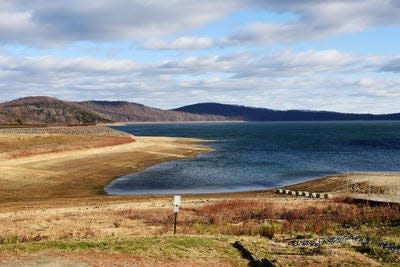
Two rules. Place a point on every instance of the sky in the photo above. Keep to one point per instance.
(341, 55)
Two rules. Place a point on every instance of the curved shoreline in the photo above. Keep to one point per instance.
(328, 184)
(83, 173)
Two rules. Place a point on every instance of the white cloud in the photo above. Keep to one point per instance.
(392, 65)
(47, 23)
(282, 79)
(285, 79)
(51, 23)
(180, 43)
(281, 63)
(317, 19)
(49, 64)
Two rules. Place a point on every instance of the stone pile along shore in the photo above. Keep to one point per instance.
(96, 130)
(340, 239)
(304, 194)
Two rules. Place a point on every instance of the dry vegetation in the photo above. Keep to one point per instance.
(265, 226)
(272, 217)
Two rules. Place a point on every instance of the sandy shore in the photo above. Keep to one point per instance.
(83, 171)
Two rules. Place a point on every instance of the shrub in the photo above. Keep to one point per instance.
(269, 230)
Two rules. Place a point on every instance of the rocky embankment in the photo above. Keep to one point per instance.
(331, 240)
(96, 130)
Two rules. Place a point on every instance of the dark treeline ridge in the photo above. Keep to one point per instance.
(264, 114)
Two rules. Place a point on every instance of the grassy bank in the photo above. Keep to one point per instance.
(186, 251)
(285, 230)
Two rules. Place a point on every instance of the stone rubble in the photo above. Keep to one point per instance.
(331, 240)
(97, 130)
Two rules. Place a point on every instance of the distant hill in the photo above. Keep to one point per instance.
(264, 114)
(126, 111)
(42, 109)
(31, 110)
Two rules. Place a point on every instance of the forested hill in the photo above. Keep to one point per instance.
(37, 110)
(264, 114)
(42, 109)
(126, 111)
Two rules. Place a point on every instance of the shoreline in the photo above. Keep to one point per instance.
(318, 184)
(167, 122)
(82, 173)
(61, 173)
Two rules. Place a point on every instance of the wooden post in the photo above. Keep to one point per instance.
(176, 217)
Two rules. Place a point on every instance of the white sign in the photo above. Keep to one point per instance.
(177, 202)
(176, 209)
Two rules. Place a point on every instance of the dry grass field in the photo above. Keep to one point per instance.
(140, 231)
(53, 212)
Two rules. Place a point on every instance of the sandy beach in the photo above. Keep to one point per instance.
(47, 167)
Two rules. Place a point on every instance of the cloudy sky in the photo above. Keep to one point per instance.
(281, 54)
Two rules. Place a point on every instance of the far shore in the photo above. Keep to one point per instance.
(166, 122)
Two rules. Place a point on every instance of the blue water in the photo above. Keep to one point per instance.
(261, 155)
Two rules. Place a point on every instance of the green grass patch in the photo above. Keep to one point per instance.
(269, 230)
(171, 247)
(382, 255)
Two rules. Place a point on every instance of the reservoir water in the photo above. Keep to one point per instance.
(261, 155)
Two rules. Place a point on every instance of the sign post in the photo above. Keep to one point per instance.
(177, 202)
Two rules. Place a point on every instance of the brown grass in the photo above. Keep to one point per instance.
(267, 218)
(240, 219)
